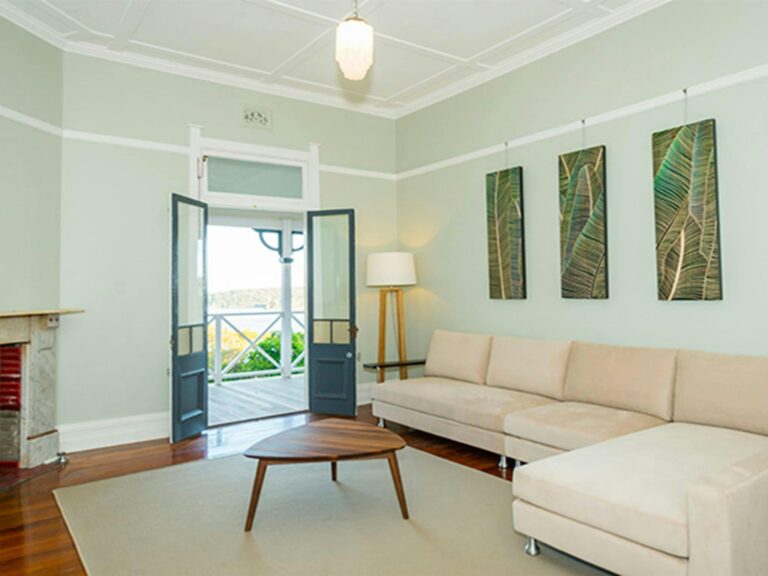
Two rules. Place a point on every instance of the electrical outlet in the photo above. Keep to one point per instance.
(260, 118)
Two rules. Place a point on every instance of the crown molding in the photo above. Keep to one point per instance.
(31, 25)
(371, 107)
(223, 78)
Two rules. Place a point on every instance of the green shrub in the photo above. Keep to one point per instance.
(255, 360)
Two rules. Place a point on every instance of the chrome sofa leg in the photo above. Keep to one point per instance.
(532, 547)
(503, 462)
(381, 423)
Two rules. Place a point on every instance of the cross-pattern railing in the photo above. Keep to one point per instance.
(265, 322)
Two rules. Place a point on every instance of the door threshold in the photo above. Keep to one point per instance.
(257, 419)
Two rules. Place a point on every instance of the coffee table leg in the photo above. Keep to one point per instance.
(395, 469)
(333, 471)
(261, 471)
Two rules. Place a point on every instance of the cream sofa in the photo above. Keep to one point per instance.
(645, 461)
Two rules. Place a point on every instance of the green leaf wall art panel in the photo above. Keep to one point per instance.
(506, 244)
(687, 223)
(583, 244)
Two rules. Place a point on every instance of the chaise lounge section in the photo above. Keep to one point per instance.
(689, 497)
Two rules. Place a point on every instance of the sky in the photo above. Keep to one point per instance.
(238, 260)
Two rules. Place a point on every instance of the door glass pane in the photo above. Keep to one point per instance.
(198, 339)
(185, 346)
(322, 332)
(341, 332)
(190, 270)
(330, 282)
(253, 178)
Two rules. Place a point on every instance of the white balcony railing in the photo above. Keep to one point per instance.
(261, 322)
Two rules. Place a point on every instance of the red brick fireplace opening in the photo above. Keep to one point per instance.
(11, 367)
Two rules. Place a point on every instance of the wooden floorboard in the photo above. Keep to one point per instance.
(35, 540)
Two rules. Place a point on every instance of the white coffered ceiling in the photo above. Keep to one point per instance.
(426, 50)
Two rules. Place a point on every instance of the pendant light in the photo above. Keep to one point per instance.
(354, 46)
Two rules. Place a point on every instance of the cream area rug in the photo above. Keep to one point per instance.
(189, 519)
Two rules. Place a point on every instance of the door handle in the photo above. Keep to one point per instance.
(348, 355)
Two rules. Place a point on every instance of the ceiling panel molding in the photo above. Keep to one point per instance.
(417, 68)
(543, 50)
(129, 23)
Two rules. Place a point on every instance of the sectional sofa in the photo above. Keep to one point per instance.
(643, 461)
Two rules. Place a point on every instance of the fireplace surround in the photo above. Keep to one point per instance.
(28, 435)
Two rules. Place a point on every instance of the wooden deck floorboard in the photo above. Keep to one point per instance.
(247, 400)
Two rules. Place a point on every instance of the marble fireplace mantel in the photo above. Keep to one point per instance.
(44, 312)
(28, 435)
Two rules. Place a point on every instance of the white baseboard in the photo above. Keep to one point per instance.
(114, 431)
(364, 393)
(129, 429)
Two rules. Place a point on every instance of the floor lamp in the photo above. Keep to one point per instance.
(389, 271)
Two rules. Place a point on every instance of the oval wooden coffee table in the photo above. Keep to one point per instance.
(329, 440)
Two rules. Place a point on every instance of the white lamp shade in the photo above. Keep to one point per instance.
(391, 269)
(354, 48)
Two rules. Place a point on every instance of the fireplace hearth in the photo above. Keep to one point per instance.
(28, 435)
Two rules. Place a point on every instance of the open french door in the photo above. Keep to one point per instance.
(189, 313)
(331, 317)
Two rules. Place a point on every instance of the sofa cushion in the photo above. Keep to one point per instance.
(638, 379)
(571, 425)
(636, 486)
(536, 366)
(459, 356)
(481, 406)
(729, 391)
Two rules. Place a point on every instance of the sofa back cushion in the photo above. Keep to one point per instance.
(535, 366)
(721, 390)
(459, 356)
(638, 379)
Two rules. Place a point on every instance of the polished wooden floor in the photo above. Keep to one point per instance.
(250, 399)
(35, 540)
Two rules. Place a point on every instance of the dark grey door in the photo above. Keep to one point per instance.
(331, 325)
(189, 310)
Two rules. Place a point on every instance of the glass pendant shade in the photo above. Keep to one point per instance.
(354, 48)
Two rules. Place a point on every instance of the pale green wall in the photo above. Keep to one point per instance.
(114, 219)
(679, 44)
(105, 97)
(115, 224)
(30, 165)
(31, 74)
(441, 215)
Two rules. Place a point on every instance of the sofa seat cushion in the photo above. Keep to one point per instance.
(473, 404)
(571, 425)
(635, 486)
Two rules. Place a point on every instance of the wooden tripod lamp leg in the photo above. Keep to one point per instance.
(383, 293)
(401, 334)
